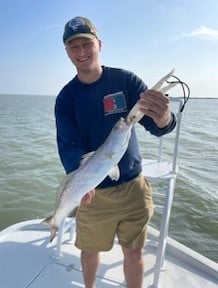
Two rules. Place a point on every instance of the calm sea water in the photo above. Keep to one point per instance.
(30, 170)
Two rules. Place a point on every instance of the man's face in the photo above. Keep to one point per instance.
(84, 53)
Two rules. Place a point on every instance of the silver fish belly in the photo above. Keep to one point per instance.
(90, 173)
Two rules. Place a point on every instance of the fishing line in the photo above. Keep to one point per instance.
(185, 89)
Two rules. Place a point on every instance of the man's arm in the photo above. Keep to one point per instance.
(69, 142)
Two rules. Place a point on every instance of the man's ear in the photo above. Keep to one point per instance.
(67, 51)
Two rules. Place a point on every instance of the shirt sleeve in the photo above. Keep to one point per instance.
(152, 127)
(70, 147)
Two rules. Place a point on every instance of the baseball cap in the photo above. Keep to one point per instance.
(79, 27)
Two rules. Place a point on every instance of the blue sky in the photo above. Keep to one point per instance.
(147, 37)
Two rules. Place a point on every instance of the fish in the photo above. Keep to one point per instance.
(91, 172)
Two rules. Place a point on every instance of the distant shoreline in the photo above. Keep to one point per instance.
(20, 95)
(46, 95)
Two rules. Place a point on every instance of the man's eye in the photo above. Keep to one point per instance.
(74, 48)
(88, 45)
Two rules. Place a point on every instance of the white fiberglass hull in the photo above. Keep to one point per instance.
(27, 260)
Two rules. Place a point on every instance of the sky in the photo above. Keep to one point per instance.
(147, 37)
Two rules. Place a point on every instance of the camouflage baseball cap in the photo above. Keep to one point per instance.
(79, 27)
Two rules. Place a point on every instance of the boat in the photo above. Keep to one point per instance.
(29, 260)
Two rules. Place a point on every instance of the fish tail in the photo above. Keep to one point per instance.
(53, 233)
(53, 228)
(47, 221)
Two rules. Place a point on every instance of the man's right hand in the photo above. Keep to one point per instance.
(87, 198)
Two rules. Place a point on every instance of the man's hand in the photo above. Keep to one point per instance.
(157, 106)
(87, 198)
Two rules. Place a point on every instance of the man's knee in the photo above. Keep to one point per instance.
(135, 254)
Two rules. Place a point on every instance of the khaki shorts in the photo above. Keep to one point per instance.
(123, 211)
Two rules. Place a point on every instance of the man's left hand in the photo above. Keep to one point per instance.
(157, 106)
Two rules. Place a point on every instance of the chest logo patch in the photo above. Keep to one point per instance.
(114, 103)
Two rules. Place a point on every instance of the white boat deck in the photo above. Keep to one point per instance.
(26, 260)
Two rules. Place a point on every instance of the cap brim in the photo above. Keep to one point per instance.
(80, 35)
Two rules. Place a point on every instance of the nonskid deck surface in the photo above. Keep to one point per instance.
(27, 259)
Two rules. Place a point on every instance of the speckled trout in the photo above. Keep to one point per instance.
(91, 172)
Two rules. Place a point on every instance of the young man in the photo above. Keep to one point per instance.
(86, 110)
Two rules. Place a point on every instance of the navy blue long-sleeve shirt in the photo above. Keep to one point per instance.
(86, 113)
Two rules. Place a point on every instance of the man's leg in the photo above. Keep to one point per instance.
(90, 262)
(133, 267)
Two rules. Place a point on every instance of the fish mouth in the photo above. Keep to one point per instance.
(123, 122)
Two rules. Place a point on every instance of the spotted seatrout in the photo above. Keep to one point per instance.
(90, 173)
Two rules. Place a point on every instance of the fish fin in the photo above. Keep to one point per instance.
(86, 157)
(114, 173)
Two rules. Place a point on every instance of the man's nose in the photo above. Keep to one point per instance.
(81, 51)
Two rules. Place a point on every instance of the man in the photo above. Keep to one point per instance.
(86, 110)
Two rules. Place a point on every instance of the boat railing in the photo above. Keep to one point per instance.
(159, 170)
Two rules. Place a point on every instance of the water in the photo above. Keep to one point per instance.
(30, 170)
